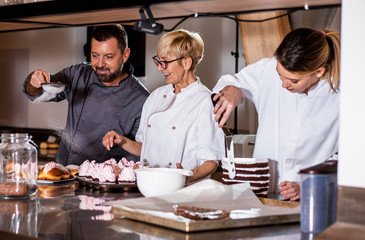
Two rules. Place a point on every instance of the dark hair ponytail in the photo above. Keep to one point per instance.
(305, 50)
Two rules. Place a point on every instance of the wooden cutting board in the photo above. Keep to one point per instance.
(282, 216)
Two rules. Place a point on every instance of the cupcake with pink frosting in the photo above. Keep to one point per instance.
(84, 168)
(110, 171)
(111, 162)
(107, 174)
(127, 175)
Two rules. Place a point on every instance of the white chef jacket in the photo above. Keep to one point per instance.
(180, 128)
(295, 130)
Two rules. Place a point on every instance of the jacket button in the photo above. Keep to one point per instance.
(144, 160)
(149, 125)
(164, 96)
(173, 127)
(170, 163)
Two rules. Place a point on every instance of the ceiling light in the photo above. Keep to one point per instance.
(147, 25)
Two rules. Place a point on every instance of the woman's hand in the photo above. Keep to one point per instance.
(112, 138)
(229, 98)
(290, 190)
(188, 178)
(201, 171)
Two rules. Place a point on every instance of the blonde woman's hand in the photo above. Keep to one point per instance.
(188, 178)
(112, 138)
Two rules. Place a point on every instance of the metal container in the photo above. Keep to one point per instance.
(18, 165)
(318, 197)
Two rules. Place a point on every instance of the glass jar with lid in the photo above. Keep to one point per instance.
(18, 165)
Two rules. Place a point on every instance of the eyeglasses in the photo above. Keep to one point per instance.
(163, 64)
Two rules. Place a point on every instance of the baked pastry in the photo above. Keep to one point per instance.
(74, 169)
(53, 145)
(252, 170)
(198, 213)
(50, 172)
(44, 145)
(65, 172)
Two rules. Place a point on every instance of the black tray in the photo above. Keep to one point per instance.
(40, 182)
(105, 186)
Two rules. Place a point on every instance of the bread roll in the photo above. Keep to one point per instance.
(51, 151)
(54, 174)
(43, 145)
(53, 145)
(65, 172)
(74, 169)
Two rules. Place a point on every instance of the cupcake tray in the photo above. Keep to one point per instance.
(105, 186)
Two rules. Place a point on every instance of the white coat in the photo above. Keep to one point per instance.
(180, 128)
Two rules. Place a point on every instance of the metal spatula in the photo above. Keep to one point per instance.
(229, 147)
(230, 155)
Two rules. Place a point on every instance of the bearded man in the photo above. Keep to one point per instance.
(102, 95)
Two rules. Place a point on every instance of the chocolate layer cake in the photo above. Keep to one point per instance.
(198, 213)
(251, 170)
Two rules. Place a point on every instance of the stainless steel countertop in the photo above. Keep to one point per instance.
(70, 211)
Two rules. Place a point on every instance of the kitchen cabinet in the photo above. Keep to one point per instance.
(61, 13)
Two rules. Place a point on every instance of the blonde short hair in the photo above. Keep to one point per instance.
(182, 43)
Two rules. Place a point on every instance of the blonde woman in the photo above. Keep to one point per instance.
(178, 127)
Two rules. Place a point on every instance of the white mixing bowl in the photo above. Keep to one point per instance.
(159, 181)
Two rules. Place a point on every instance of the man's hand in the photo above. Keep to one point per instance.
(39, 77)
(34, 83)
(229, 98)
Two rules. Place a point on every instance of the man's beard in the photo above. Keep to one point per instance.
(107, 77)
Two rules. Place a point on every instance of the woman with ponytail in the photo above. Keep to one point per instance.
(296, 95)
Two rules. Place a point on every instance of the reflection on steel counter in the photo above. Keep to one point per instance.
(93, 203)
(20, 216)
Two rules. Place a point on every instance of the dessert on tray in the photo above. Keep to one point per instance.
(56, 172)
(110, 171)
(199, 213)
(252, 170)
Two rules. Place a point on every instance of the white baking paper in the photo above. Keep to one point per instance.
(207, 193)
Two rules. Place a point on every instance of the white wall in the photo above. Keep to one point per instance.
(352, 107)
(51, 50)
